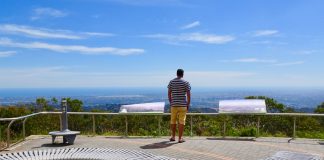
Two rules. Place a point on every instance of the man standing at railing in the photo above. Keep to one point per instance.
(179, 98)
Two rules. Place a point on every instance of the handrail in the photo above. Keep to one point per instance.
(165, 114)
(189, 113)
(24, 118)
(18, 118)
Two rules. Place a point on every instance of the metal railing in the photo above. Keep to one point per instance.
(93, 114)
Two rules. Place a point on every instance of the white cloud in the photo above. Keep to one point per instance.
(254, 60)
(36, 32)
(262, 33)
(47, 12)
(7, 53)
(98, 34)
(261, 42)
(152, 2)
(191, 25)
(271, 61)
(46, 33)
(250, 60)
(71, 48)
(306, 52)
(193, 37)
(289, 63)
(216, 74)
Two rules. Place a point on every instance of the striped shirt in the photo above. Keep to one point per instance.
(179, 88)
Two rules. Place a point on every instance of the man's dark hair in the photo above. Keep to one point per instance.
(180, 72)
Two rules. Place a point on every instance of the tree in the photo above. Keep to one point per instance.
(54, 100)
(320, 108)
(272, 105)
(75, 105)
(54, 104)
(42, 104)
(289, 110)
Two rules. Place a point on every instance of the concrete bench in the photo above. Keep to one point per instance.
(81, 153)
(68, 136)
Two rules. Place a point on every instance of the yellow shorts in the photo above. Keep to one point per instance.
(178, 111)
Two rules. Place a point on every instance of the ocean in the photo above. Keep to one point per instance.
(201, 97)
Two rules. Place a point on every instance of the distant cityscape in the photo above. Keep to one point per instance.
(203, 99)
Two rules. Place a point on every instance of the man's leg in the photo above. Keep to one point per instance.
(182, 121)
(181, 128)
(173, 130)
(173, 122)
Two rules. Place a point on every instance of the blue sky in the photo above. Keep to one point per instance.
(126, 43)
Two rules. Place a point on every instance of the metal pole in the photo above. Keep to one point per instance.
(8, 133)
(294, 134)
(191, 126)
(126, 126)
(93, 125)
(159, 120)
(294, 131)
(61, 126)
(64, 114)
(24, 130)
(258, 127)
(224, 129)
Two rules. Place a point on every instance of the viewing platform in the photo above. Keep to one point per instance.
(194, 148)
(126, 146)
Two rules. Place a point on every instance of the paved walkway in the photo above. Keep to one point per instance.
(193, 148)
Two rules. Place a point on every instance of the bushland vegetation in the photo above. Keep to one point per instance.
(139, 125)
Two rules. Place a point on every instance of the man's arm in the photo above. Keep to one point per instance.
(170, 96)
(188, 99)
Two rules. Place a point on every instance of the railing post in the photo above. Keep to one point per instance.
(190, 125)
(93, 125)
(60, 116)
(294, 133)
(24, 130)
(294, 130)
(8, 132)
(159, 121)
(126, 126)
(258, 127)
(224, 129)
